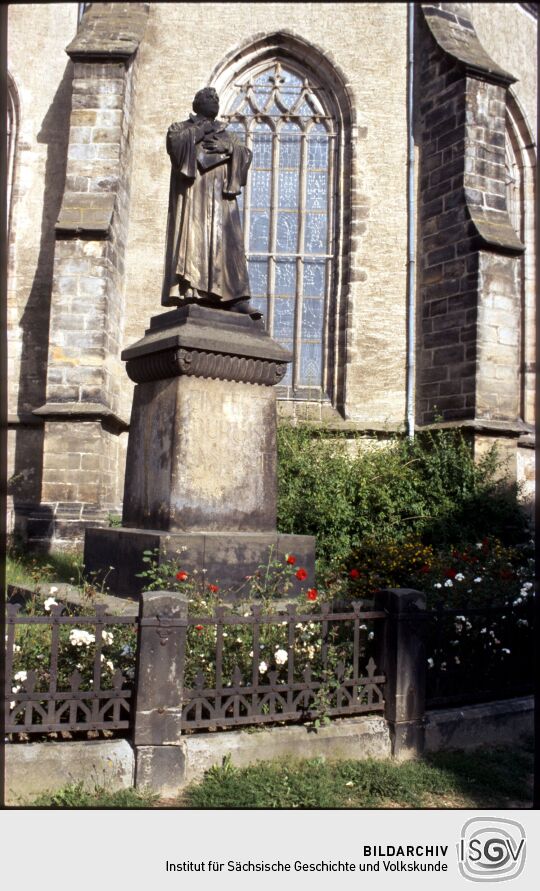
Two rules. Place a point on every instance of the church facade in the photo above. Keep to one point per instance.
(388, 217)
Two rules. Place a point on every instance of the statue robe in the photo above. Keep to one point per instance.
(205, 243)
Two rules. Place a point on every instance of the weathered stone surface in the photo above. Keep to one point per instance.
(227, 557)
(463, 111)
(453, 30)
(34, 768)
(160, 768)
(402, 658)
(504, 722)
(202, 452)
(366, 316)
(109, 30)
(84, 212)
(205, 342)
(161, 656)
(362, 737)
(201, 456)
(79, 410)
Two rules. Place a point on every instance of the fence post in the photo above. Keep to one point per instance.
(159, 754)
(402, 658)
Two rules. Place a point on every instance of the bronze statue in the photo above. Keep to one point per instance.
(205, 259)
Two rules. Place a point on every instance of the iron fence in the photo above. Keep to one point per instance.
(479, 654)
(317, 664)
(78, 672)
(72, 685)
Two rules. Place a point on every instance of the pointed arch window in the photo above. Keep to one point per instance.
(520, 179)
(283, 115)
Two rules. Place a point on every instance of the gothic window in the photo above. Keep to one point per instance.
(281, 114)
(520, 177)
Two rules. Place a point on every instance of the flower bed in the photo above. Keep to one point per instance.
(478, 625)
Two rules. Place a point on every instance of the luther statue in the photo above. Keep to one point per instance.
(205, 258)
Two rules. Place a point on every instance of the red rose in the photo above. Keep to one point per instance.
(301, 574)
(291, 559)
(181, 576)
(213, 588)
(198, 628)
(506, 574)
(354, 574)
(450, 573)
(425, 568)
(312, 594)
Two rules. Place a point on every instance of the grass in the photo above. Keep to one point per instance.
(75, 795)
(30, 570)
(487, 778)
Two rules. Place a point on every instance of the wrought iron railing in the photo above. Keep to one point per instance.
(336, 675)
(479, 654)
(50, 696)
(237, 670)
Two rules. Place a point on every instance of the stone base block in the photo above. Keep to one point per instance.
(506, 722)
(115, 555)
(160, 768)
(35, 768)
(408, 739)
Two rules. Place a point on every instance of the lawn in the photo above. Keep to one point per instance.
(486, 778)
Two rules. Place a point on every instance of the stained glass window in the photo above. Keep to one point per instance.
(281, 114)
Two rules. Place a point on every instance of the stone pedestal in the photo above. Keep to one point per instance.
(201, 460)
(201, 456)
(228, 557)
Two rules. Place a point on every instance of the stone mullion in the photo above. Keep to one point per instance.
(302, 205)
(247, 196)
(331, 249)
(273, 229)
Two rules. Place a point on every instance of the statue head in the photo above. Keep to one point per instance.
(206, 102)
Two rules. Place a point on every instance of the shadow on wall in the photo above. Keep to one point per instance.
(25, 485)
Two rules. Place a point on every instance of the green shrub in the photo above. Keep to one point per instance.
(429, 488)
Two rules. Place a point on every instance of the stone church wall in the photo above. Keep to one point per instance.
(42, 76)
(90, 201)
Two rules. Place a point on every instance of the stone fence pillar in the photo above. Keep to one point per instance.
(402, 658)
(159, 756)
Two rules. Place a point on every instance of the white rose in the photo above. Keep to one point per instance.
(281, 657)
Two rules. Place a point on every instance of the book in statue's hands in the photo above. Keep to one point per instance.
(207, 160)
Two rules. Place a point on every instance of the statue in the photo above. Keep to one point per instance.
(205, 258)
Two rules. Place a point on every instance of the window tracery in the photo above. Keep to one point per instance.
(282, 114)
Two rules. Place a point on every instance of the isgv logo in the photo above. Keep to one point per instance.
(491, 849)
